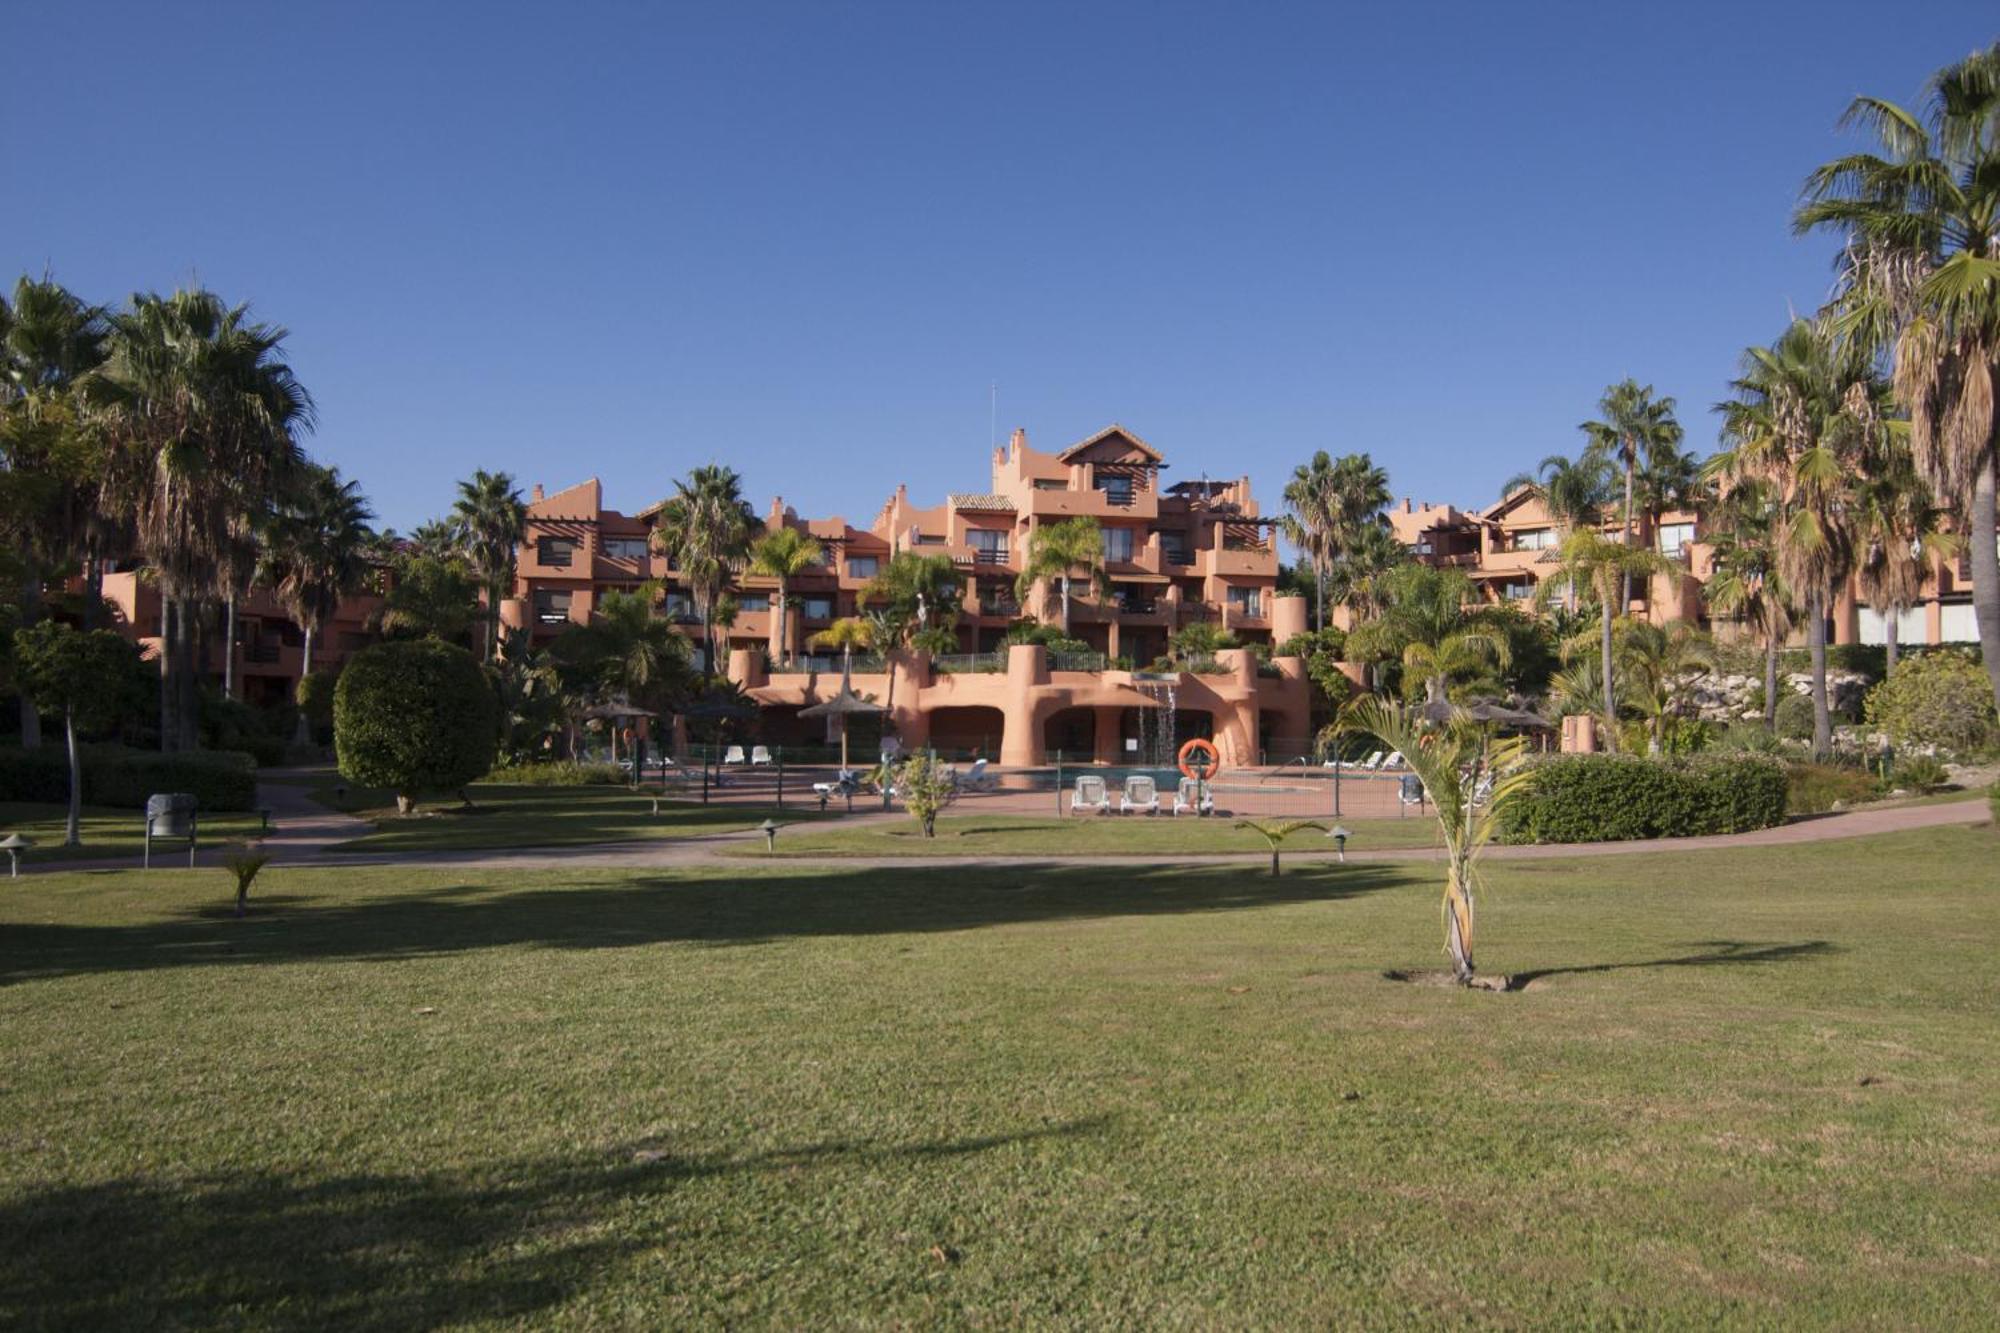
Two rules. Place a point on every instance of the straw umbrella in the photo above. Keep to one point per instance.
(842, 705)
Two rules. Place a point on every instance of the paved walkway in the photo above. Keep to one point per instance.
(723, 850)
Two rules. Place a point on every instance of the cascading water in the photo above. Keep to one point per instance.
(1159, 741)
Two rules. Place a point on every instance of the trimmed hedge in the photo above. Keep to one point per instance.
(1615, 798)
(543, 774)
(122, 779)
(413, 717)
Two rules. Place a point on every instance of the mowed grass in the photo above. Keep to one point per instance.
(108, 834)
(504, 816)
(1748, 1088)
(1088, 835)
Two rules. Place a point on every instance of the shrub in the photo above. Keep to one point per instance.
(1919, 773)
(1817, 787)
(1940, 698)
(1795, 716)
(926, 787)
(122, 779)
(413, 717)
(1612, 798)
(314, 697)
(547, 774)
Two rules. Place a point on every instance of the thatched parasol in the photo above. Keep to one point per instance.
(842, 705)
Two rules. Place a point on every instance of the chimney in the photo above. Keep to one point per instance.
(536, 494)
(1017, 442)
(1406, 504)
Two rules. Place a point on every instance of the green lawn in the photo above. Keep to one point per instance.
(504, 816)
(1026, 835)
(1752, 1088)
(107, 834)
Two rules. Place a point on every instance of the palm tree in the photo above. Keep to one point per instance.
(50, 340)
(1573, 490)
(784, 554)
(203, 413)
(1428, 620)
(1311, 520)
(1362, 565)
(437, 538)
(1591, 560)
(1635, 426)
(846, 634)
(1744, 581)
(1060, 551)
(1670, 479)
(1922, 222)
(432, 598)
(626, 650)
(317, 555)
(705, 530)
(489, 520)
(1808, 414)
(921, 591)
(1660, 664)
(1470, 778)
(1896, 536)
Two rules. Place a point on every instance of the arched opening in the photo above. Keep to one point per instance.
(968, 732)
(1073, 731)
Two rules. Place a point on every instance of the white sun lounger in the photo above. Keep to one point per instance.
(1190, 799)
(1141, 796)
(1090, 794)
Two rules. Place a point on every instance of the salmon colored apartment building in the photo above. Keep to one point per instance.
(1509, 548)
(1175, 553)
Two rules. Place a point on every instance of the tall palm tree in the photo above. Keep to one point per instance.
(1808, 413)
(846, 634)
(1061, 551)
(433, 597)
(705, 529)
(1745, 582)
(1470, 778)
(1922, 220)
(1592, 561)
(489, 520)
(1573, 490)
(1897, 535)
(784, 554)
(54, 464)
(203, 413)
(1669, 479)
(437, 538)
(1358, 572)
(1635, 426)
(317, 555)
(1311, 520)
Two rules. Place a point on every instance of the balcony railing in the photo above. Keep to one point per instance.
(1077, 661)
(260, 652)
(970, 663)
(985, 555)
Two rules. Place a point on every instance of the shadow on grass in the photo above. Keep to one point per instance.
(500, 1242)
(520, 817)
(1714, 953)
(713, 908)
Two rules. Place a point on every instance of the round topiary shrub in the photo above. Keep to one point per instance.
(413, 717)
(1795, 715)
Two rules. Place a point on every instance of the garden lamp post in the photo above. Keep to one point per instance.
(770, 832)
(14, 844)
(1340, 836)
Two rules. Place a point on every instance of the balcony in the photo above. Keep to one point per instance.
(1237, 561)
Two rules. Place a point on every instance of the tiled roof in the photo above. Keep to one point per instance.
(965, 500)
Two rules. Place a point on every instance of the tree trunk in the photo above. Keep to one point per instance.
(1822, 714)
(1625, 578)
(1065, 605)
(192, 664)
(229, 646)
(31, 612)
(169, 678)
(492, 622)
(1458, 921)
(1889, 642)
(1610, 695)
(93, 590)
(784, 640)
(302, 734)
(1771, 682)
(1274, 859)
(1979, 531)
(1319, 595)
(73, 829)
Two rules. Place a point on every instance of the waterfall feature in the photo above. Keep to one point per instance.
(1159, 745)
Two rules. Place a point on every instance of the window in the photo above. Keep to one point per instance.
(678, 606)
(996, 598)
(1535, 539)
(552, 605)
(1117, 543)
(927, 539)
(625, 548)
(862, 566)
(556, 551)
(1174, 548)
(1050, 484)
(1246, 601)
(816, 608)
(1134, 599)
(989, 546)
(1117, 489)
(1518, 592)
(1675, 537)
(753, 601)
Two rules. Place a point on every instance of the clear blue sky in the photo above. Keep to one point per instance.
(567, 239)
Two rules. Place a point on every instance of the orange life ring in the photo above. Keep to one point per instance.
(1202, 746)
